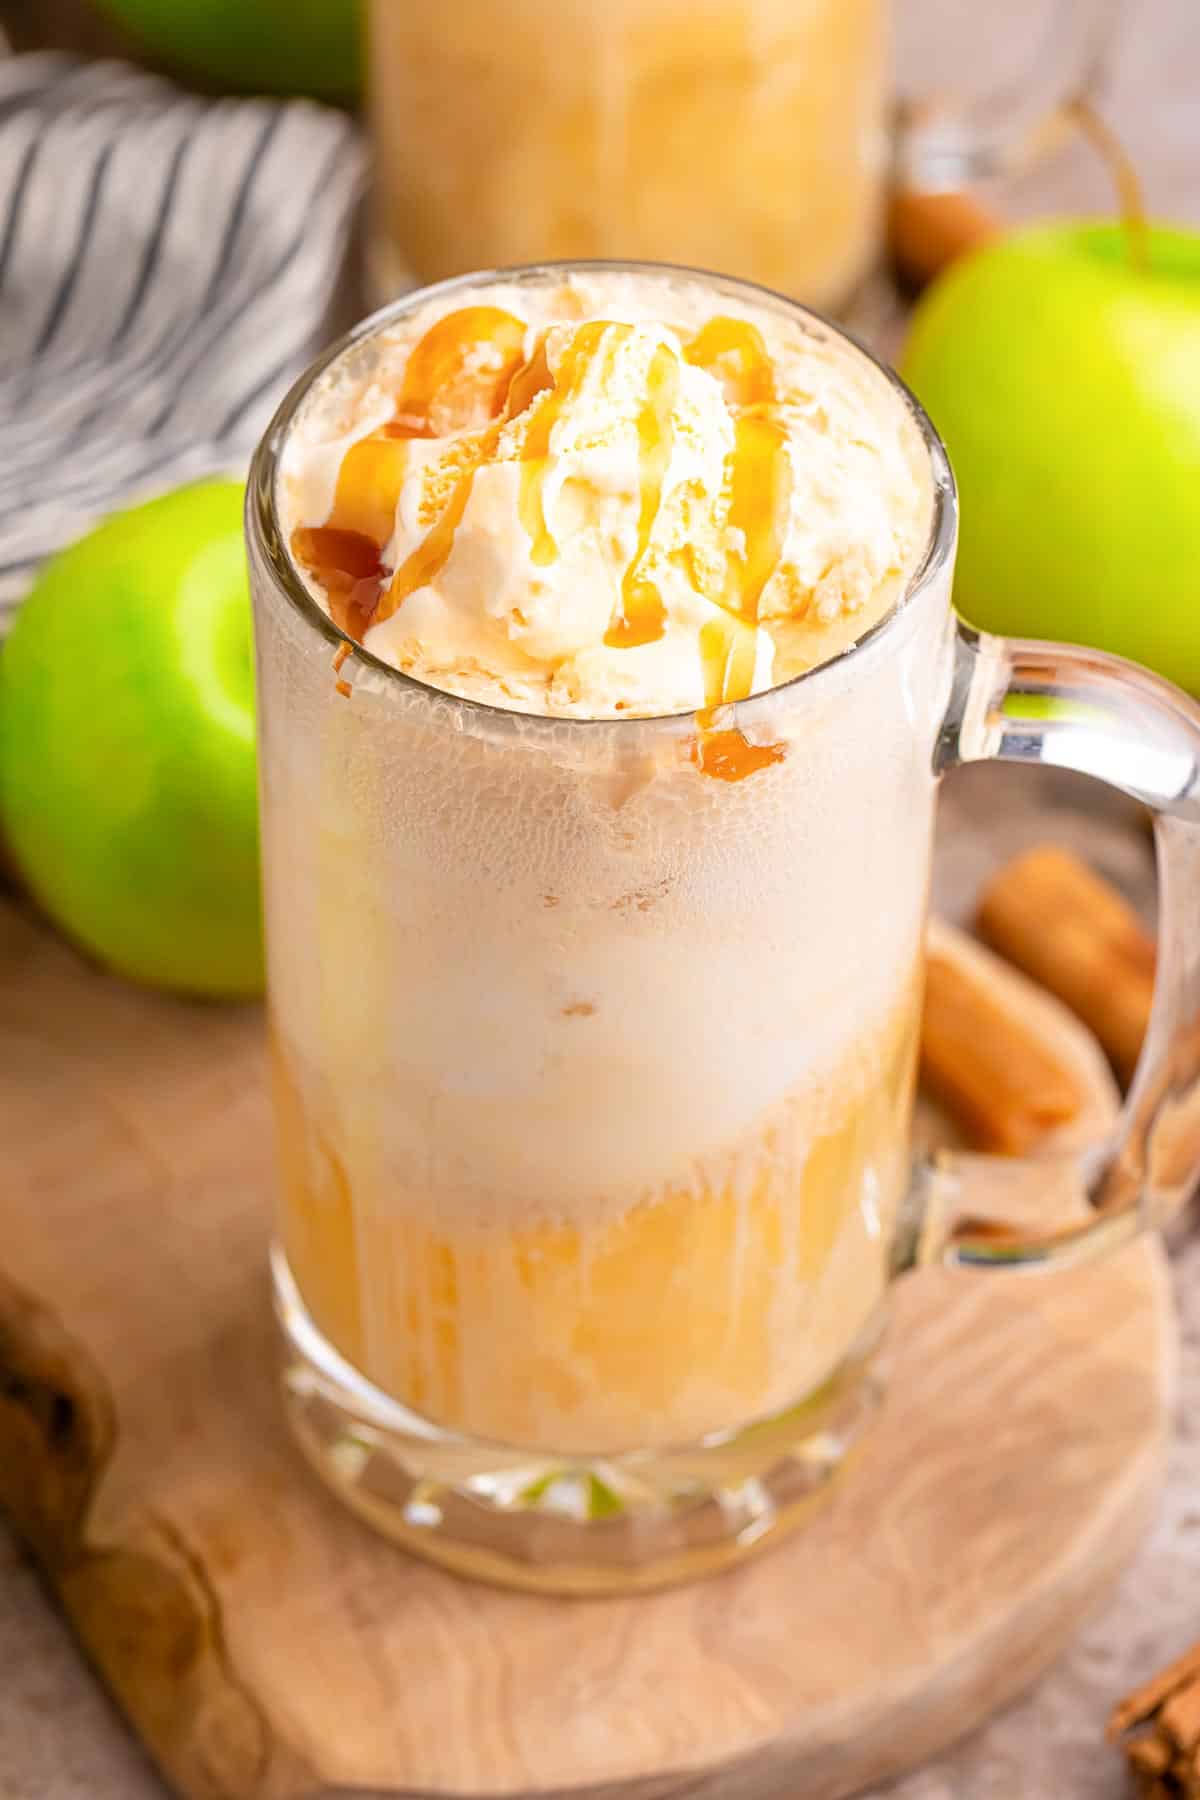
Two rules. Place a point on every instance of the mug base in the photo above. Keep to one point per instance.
(569, 1524)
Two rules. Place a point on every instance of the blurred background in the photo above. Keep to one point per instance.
(1146, 72)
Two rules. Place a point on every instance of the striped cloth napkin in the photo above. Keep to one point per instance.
(167, 266)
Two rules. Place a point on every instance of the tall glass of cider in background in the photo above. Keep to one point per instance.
(747, 135)
(758, 138)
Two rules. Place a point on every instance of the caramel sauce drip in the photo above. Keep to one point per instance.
(348, 566)
(642, 618)
(442, 393)
(368, 487)
(759, 475)
(439, 373)
(577, 359)
(728, 756)
(758, 478)
(728, 648)
(346, 553)
(431, 555)
(732, 351)
(530, 380)
(426, 562)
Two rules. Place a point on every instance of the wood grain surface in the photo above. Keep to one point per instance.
(267, 1647)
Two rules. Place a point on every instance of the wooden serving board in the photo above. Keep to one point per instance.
(267, 1647)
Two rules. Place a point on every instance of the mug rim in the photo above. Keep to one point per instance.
(265, 531)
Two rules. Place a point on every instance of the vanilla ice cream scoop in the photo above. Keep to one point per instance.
(597, 495)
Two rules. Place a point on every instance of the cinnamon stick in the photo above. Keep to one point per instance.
(1061, 924)
(993, 1072)
(1158, 1726)
(1138, 1707)
(1149, 1757)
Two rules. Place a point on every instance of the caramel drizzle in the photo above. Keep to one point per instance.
(531, 379)
(733, 352)
(728, 652)
(439, 362)
(758, 479)
(349, 568)
(728, 648)
(346, 553)
(642, 618)
(431, 555)
(586, 344)
(728, 756)
(368, 487)
(759, 476)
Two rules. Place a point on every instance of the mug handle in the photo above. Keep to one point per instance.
(944, 144)
(1019, 700)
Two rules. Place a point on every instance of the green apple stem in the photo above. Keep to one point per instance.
(1130, 198)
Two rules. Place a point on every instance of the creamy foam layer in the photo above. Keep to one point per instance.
(613, 493)
(523, 986)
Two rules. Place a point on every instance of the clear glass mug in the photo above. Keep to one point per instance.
(594, 1075)
(750, 135)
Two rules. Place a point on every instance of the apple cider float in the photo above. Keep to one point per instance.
(735, 134)
(595, 873)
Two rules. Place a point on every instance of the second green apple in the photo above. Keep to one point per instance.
(128, 797)
(1065, 381)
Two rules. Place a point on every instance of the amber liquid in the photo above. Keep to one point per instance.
(745, 136)
(727, 1295)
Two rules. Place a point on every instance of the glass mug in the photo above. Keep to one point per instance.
(594, 1076)
(750, 135)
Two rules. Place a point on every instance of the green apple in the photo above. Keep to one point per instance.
(269, 46)
(127, 755)
(1065, 381)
